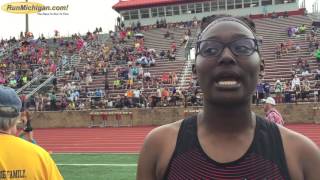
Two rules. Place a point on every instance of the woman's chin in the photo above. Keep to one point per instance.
(229, 99)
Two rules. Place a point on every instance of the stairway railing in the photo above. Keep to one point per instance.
(41, 85)
(28, 84)
(189, 60)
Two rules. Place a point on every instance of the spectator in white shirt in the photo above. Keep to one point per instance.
(295, 83)
(136, 97)
(147, 78)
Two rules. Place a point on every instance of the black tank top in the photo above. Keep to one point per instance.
(265, 158)
(28, 124)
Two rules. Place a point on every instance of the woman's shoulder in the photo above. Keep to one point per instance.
(157, 149)
(294, 139)
(162, 137)
(165, 132)
(300, 151)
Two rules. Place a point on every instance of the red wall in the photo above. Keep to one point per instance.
(290, 13)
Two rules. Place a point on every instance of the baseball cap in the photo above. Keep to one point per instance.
(10, 103)
(269, 100)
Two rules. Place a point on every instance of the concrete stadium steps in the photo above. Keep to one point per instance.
(154, 39)
(32, 86)
(152, 42)
(274, 31)
(281, 23)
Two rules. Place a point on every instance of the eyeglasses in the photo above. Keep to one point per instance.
(239, 47)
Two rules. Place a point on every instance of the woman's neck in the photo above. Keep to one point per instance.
(227, 119)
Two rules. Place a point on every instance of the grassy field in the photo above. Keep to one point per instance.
(97, 166)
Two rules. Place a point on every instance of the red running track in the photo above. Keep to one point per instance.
(118, 140)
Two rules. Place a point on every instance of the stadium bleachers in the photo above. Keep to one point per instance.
(272, 31)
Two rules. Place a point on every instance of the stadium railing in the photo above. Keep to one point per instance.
(28, 84)
(41, 85)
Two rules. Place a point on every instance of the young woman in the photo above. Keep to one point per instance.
(27, 128)
(226, 140)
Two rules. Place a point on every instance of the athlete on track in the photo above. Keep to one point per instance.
(27, 128)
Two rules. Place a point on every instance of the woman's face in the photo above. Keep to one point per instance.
(227, 78)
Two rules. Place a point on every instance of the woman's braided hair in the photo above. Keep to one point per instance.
(241, 19)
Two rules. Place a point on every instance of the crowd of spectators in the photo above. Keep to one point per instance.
(128, 58)
(298, 87)
(28, 57)
(134, 75)
(296, 30)
(283, 48)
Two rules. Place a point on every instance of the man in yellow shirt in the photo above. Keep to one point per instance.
(19, 159)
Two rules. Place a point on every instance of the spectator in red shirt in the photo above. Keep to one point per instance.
(165, 78)
(122, 36)
(271, 113)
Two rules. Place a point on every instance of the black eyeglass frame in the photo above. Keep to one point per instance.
(226, 45)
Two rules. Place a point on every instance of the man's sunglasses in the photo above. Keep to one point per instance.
(239, 47)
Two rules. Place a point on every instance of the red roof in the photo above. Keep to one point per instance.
(134, 4)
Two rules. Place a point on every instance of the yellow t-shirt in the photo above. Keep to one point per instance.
(21, 160)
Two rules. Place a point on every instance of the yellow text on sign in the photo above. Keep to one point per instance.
(23, 7)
